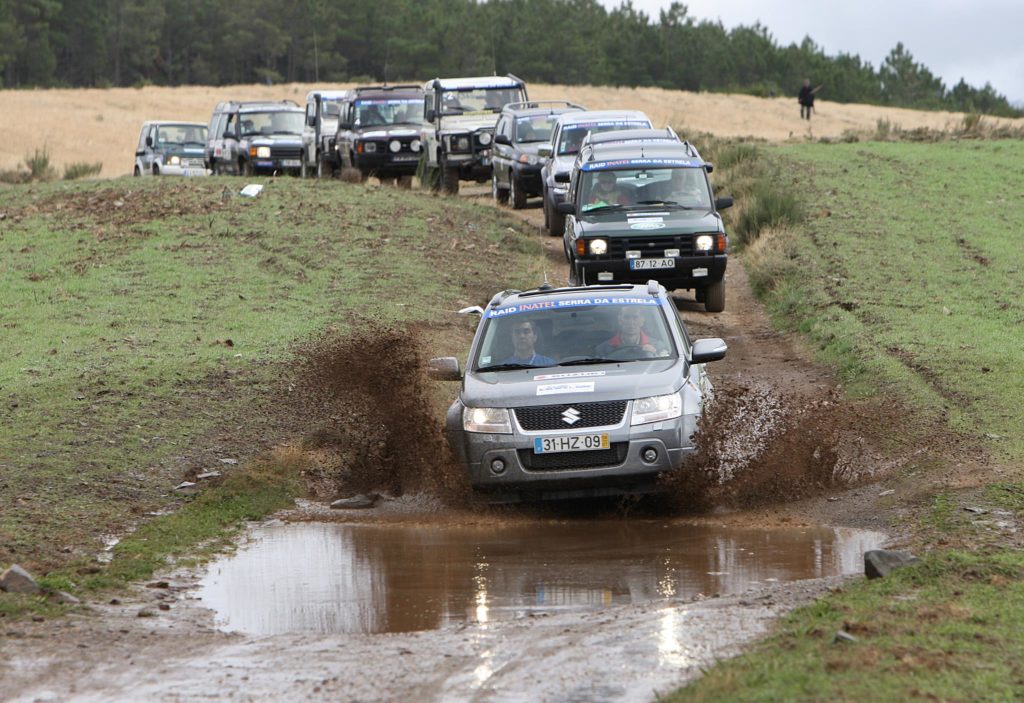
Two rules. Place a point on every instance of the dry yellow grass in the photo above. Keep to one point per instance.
(103, 124)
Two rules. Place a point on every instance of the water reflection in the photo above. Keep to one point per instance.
(315, 577)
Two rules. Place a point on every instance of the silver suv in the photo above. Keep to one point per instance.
(577, 392)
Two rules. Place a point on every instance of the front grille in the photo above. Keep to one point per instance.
(286, 152)
(549, 417)
(575, 460)
(650, 247)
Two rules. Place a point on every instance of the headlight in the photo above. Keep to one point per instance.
(174, 161)
(485, 138)
(415, 145)
(528, 159)
(598, 246)
(462, 144)
(370, 147)
(656, 408)
(263, 152)
(705, 242)
(395, 146)
(490, 420)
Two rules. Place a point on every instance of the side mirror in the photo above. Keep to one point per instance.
(566, 208)
(709, 167)
(429, 115)
(705, 350)
(502, 139)
(149, 141)
(311, 120)
(723, 203)
(444, 368)
(562, 177)
(544, 151)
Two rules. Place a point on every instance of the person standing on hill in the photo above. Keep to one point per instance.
(806, 99)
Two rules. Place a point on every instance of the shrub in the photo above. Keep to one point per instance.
(771, 258)
(38, 164)
(736, 154)
(82, 169)
(769, 204)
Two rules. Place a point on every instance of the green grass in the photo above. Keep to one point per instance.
(905, 278)
(147, 325)
(909, 275)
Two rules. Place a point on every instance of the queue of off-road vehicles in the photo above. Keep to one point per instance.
(588, 389)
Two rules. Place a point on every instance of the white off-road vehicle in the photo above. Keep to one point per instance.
(460, 115)
(323, 108)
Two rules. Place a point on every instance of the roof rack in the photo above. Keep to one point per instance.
(542, 103)
(406, 86)
(500, 296)
(545, 291)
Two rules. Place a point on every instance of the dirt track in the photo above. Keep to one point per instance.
(178, 655)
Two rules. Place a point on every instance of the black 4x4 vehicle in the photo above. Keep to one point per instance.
(379, 133)
(521, 131)
(639, 211)
(255, 137)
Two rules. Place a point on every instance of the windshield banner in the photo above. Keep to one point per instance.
(571, 303)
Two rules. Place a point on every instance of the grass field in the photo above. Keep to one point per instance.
(102, 125)
(905, 275)
(148, 328)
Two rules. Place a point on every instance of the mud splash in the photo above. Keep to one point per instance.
(372, 427)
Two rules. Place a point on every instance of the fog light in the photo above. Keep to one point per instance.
(498, 466)
(632, 253)
(485, 138)
(395, 146)
(650, 455)
(671, 253)
(415, 145)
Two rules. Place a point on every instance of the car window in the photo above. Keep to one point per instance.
(142, 138)
(615, 328)
(571, 136)
(179, 135)
(458, 102)
(331, 108)
(683, 187)
(271, 122)
(535, 129)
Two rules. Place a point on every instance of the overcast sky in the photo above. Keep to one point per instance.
(979, 40)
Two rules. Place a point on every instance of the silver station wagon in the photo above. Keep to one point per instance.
(577, 392)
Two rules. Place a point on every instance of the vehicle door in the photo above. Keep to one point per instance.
(311, 130)
(343, 140)
(429, 140)
(229, 149)
(143, 153)
(545, 170)
(502, 154)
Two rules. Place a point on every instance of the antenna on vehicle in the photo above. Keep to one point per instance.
(387, 57)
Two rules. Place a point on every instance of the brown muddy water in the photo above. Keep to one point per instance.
(345, 578)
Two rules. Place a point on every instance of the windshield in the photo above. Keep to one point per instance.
(272, 122)
(673, 187)
(535, 129)
(574, 332)
(459, 102)
(375, 112)
(571, 137)
(180, 135)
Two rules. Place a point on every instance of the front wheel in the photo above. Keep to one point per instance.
(555, 220)
(499, 194)
(450, 179)
(138, 171)
(304, 168)
(324, 169)
(405, 182)
(246, 169)
(575, 277)
(714, 297)
(516, 193)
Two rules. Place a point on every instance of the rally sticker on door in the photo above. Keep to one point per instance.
(557, 388)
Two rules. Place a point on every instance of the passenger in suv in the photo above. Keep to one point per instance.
(255, 137)
(522, 129)
(592, 417)
(379, 133)
(566, 139)
(639, 211)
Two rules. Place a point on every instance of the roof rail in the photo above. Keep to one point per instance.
(541, 103)
(500, 296)
(385, 86)
(610, 286)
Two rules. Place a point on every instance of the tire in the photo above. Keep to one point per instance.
(499, 194)
(350, 174)
(405, 182)
(555, 220)
(450, 180)
(516, 193)
(138, 171)
(304, 168)
(324, 168)
(714, 297)
(246, 169)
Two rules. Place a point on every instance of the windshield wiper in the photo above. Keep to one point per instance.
(667, 202)
(511, 367)
(593, 360)
(601, 208)
(285, 131)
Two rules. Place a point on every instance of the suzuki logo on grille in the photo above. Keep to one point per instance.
(571, 416)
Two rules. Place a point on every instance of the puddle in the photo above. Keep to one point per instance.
(343, 578)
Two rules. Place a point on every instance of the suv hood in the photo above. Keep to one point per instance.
(383, 132)
(278, 139)
(562, 164)
(653, 221)
(468, 123)
(556, 385)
